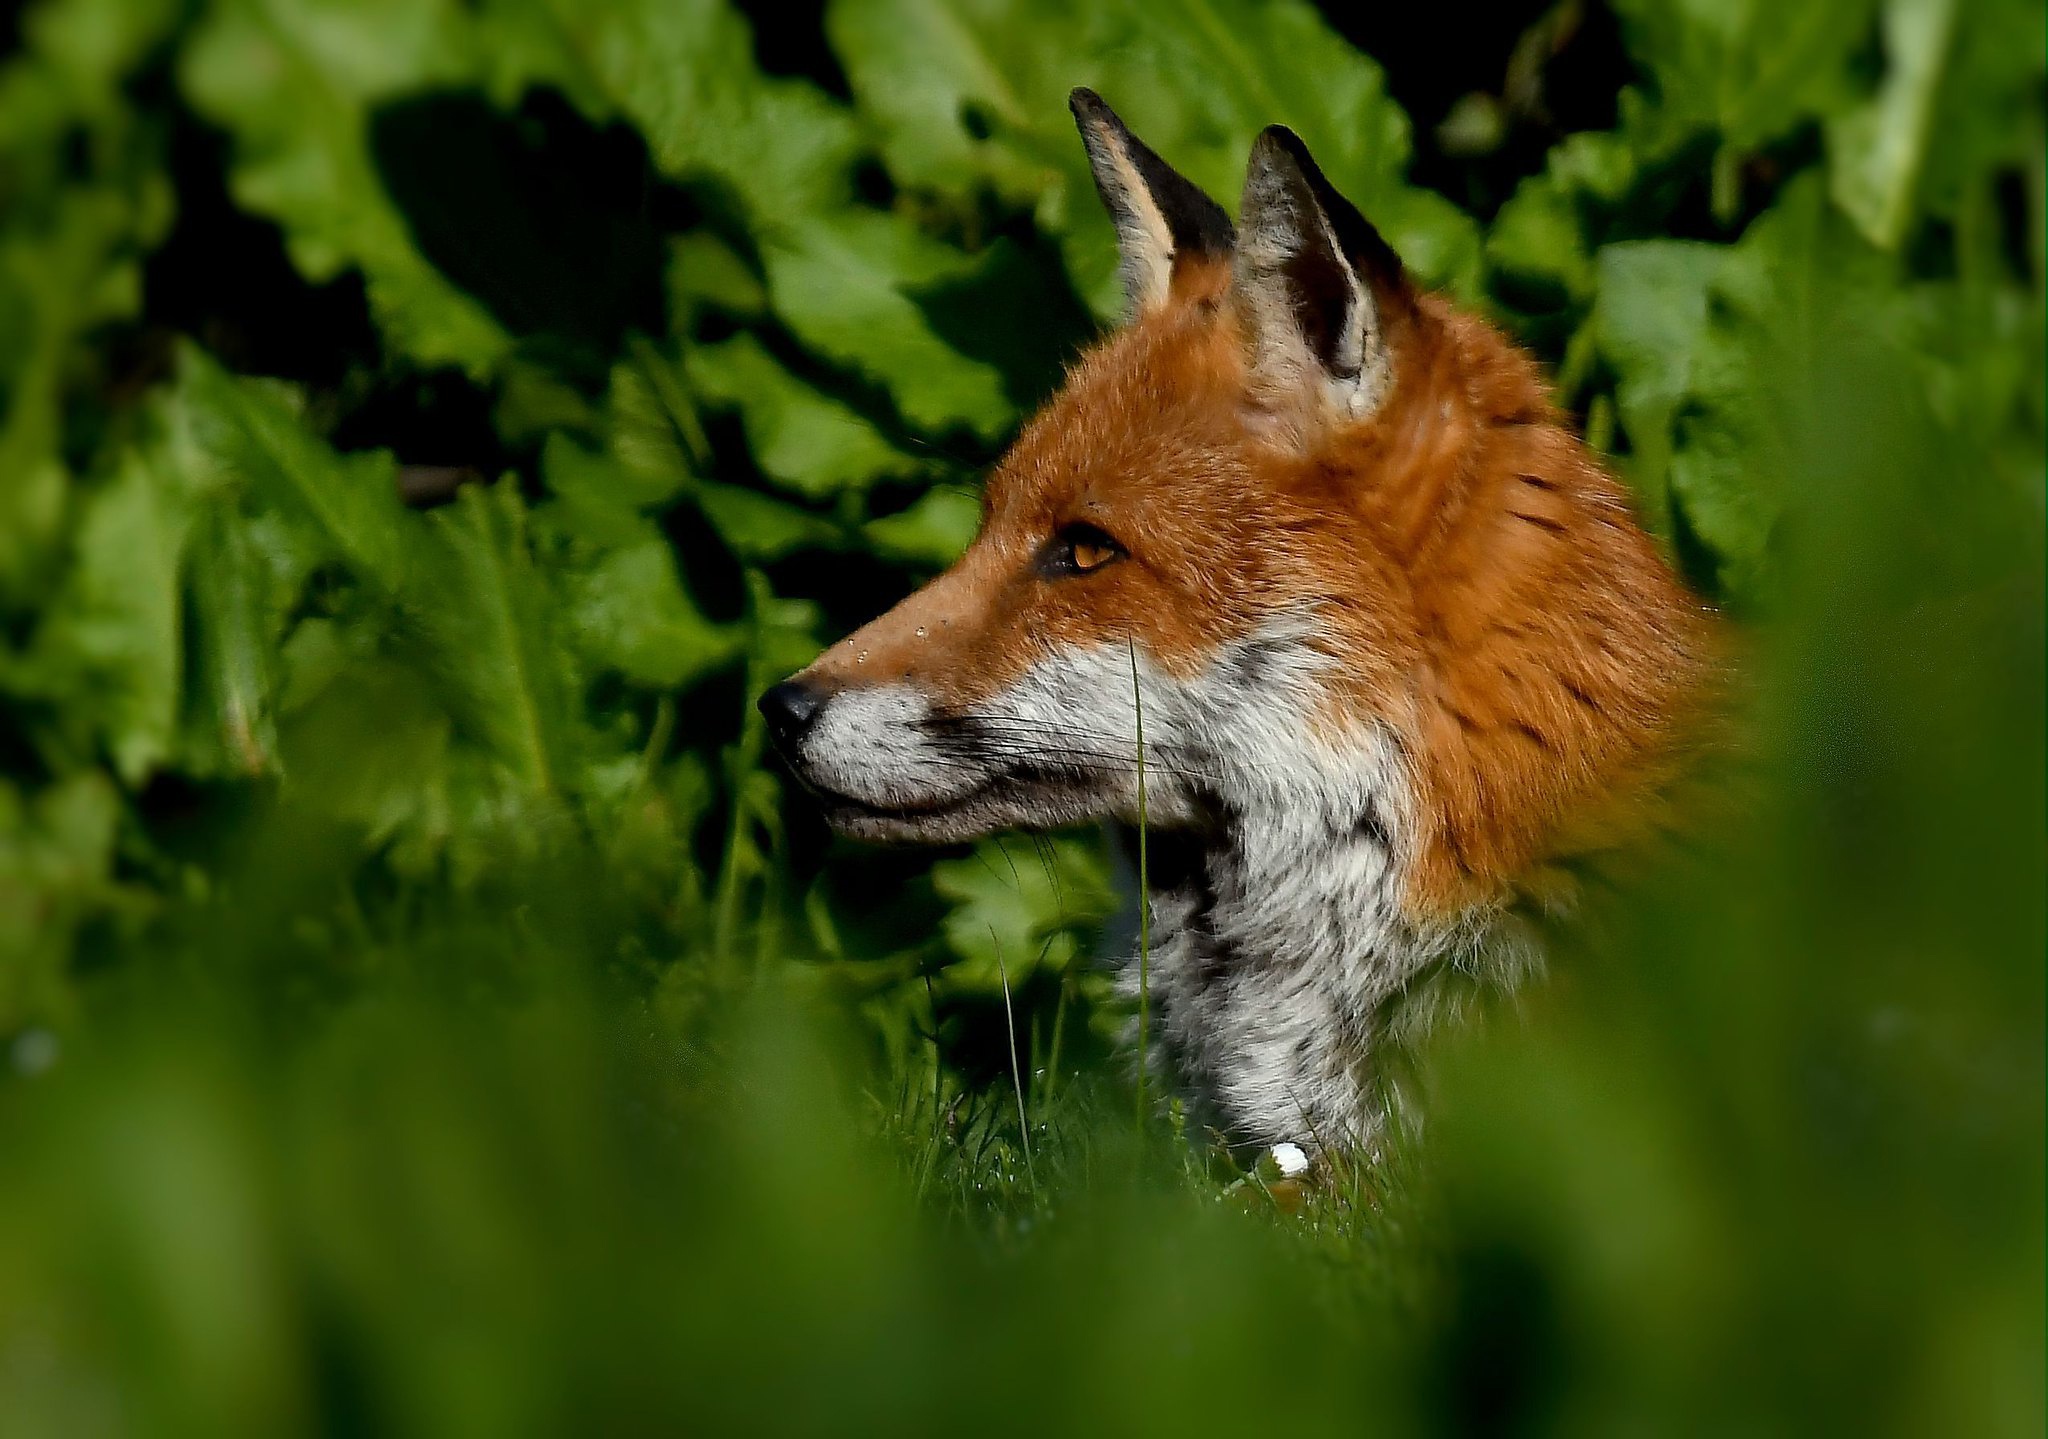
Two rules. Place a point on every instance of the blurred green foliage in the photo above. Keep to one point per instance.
(425, 425)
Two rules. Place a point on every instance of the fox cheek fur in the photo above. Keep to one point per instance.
(1400, 647)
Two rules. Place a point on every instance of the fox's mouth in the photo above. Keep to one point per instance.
(1004, 800)
(885, 764)
(845, 807)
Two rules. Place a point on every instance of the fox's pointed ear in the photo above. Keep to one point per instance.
(1320, 291)
(1160, 214)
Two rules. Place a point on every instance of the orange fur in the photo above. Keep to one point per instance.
(1476, 572)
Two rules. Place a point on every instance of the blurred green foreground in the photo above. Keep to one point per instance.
(425, 425)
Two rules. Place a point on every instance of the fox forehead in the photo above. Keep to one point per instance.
(1145, 420)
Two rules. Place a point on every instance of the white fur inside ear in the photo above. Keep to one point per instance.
(1144, 241)
(1280, 223)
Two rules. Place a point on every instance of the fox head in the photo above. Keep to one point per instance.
(1314, 538)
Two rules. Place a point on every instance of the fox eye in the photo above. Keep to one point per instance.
(1077, 550)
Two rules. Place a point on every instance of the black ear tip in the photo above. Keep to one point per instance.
(1090, 109)
(1276, 142)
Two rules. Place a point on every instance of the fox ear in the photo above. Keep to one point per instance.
(1160, 214)
(1318, 287)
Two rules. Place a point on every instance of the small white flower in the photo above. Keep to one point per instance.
(1289, 1160)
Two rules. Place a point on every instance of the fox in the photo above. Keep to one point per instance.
(1397, 642)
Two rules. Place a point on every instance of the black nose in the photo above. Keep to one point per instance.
(791, 708)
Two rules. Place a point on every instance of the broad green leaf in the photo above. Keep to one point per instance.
(1539, 236)
(762, 527)
(705, 273)
(371, 749)
(347, 505)
(683, 71)
(1019, 907)
(1748, 73)
(56, 856)
(973, 97)
(1877, 150)
(1718, 351)
(1650, 321)
(94, 45)
(82, 197)
(656, 433)
(843, 278)
(294, 82)
(847, 284)
(110, 649)
(489, 620)
(802, 439)
(626, 612)
(1549, 227)
(593, 493)
(932, 532)
(1961, 98)
(56, 282)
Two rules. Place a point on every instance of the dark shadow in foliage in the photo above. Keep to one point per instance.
(427, 418)
(1017, 313)
(712, 573)
(879, 896)
(1693, 558)
(554, 225)
(1500, 1362)
(1549, 69)
(789, 40)
(223, 278)
(851, 586)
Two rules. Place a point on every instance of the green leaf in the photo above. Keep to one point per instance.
(1546, 232)
(346, 505)
(56, 857)
(846, 285)
(843, 278)
(683, 72)
(487, 615)
(932, 532)
(1028, 903)
(802, 439)
(974, 97)
(1877, 150)
(371, 749)
(293, 82)
(1650, 321)
(1717, 350)
(82, 197)
(761, 527)
(655, 437)
(705, 273)
(627, 612)
(234, 636)
(109, 652)
(1747, 73)
(1960, 94)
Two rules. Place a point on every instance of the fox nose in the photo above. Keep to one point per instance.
(790, 709)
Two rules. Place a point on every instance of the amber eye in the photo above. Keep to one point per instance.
(1088, 555)
(1077, 550)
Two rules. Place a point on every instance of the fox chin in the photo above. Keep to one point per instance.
(1396, 640)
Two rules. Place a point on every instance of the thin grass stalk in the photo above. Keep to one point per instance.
(1144, 899)
(1016, 1070)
